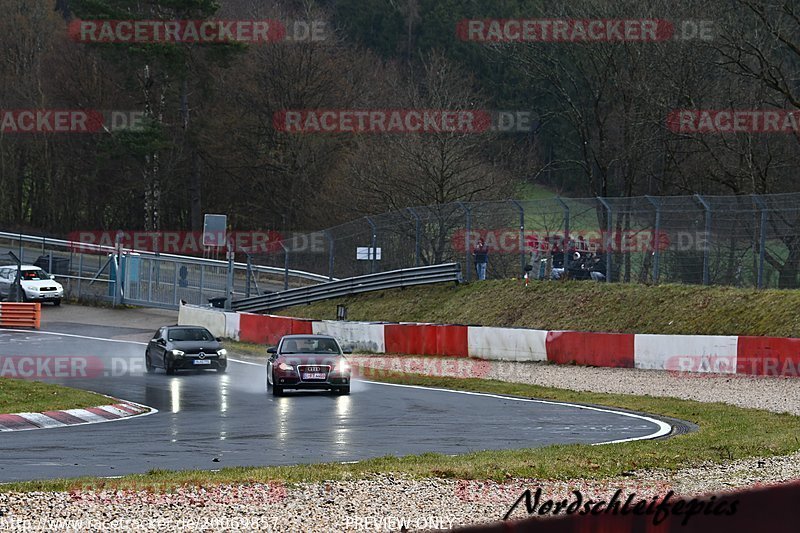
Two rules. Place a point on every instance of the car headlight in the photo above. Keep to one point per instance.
(222, 353)
(177, 353)
(285, 368)
(343, 367)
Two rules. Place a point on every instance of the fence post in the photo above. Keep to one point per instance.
(656, 238)
(80, 274)
(174, 283)
(522, 260)
(248, 274)
(565, 207)
(330, 254)
(609, 236)
(202, 282)
(466, 239)
(416, 234)
(285, 267)
(762, 238)
(707, 247)
(373, 245)
(229, 279)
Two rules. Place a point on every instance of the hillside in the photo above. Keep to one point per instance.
(668, 309)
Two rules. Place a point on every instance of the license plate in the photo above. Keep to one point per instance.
(202, 361)
(314, 375)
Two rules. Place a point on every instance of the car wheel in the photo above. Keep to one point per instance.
(222, 369)
(169, 369)
(148, 365)
(342, 390)
(276, 390)
(57, 302)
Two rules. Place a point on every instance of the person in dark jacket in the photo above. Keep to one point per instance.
(481, 254)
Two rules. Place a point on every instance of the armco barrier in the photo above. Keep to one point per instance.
(686, 353)
(20, 315)
(768, 356)
(426, 339)
(268, 329)
(594, 349)
(355, 336)
(507, 344)
(212, 320)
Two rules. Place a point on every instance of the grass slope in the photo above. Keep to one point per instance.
(21, 396)
(580, 305)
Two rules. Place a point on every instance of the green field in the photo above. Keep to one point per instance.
(579, 305)
(21, 396)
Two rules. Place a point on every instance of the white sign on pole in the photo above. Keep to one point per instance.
(214, 230)
(363, 253)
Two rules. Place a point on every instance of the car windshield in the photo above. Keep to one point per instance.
(34, 274)
(309, 345)
(189, 334)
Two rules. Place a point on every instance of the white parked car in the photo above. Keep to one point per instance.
(37, 285)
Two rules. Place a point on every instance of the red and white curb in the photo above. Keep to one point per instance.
(73, 417)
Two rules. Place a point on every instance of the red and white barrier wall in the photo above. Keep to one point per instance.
(725, 354)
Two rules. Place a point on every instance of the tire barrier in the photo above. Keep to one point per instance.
(20, 315)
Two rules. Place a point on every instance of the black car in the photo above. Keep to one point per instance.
(185, 347)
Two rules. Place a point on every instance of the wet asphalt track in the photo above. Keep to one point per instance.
(229, 418)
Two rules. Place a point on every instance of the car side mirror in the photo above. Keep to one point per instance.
(52, 276)
(347, 352)
(272, 349)
(218, 339)
(161, 341)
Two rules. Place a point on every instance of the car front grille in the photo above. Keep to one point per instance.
(322, 370)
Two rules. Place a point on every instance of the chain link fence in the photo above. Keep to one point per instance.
(743, 241)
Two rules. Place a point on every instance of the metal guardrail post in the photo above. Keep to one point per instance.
(707, 247)
(762, 238)
(373, 251)
(609, 236)
(565, 207)
(417, 223)
(656, 239)
(467, 233)
(522, 260)
(331, 244)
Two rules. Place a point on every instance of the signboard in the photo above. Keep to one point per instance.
(363, 253)
(214, 228)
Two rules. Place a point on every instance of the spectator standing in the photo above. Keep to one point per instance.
(481, 255)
